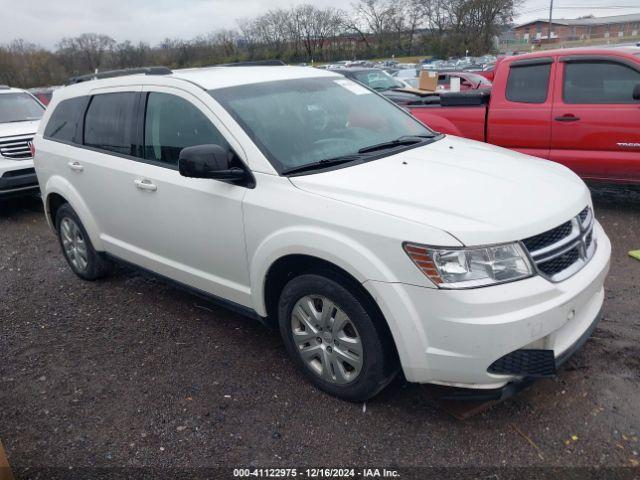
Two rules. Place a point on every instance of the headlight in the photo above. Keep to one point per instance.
(470, 267)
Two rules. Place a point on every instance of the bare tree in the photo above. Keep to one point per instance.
(85, 52)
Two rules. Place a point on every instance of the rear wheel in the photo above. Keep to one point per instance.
(335, 338)
(76, 246)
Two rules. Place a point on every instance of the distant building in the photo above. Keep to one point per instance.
(618, 26)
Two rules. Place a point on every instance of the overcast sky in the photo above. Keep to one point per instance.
(45, 22)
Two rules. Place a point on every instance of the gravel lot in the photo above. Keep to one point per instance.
(128, 371)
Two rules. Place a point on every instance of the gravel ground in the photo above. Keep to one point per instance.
(128, 371)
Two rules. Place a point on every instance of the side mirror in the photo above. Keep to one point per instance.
(636, 92)
(208, 161)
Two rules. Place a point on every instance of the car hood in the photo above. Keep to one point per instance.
(18, 128)
(478, 193)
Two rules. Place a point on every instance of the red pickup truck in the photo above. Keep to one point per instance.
(579, 107)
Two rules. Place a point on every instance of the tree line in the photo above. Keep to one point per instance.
(303, 33)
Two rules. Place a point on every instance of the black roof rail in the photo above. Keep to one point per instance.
(256, 63)
(120, 73)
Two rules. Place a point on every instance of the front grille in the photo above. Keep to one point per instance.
(547, 238)
(19, 173)
(16, 148)
(560, 263)
(532, 363)
(562, 251)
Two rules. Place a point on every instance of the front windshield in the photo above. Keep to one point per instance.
(378, 80)
(19, 107)
(304, 121)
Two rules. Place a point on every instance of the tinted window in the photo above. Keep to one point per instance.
(110, 123)
(64, 123)
(19, 107)
(528, 83)
(172, 124)
(377, 80)
(599, 82)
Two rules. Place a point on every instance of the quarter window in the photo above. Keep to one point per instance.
(111, 123)
(65, 122)
(599, 82)
(528, 83)
(172, 124)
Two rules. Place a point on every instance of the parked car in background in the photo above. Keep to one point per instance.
(380, 81)
(20, 114)
(579, 107)
(43, 94)
(307, 201)
(468, 81)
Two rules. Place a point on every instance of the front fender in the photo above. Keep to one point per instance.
(61, 186)
(340, 250)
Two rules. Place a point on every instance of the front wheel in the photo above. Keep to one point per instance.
(335, 338)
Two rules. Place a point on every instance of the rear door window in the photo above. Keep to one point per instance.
(599, 82)
(65, 124)
(171, 124)
(528, 83)
(110, 123)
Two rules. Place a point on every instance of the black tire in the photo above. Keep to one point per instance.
(96, 266)
(379, 359)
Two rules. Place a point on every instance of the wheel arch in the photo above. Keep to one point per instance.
(290, 266)
(58, 192)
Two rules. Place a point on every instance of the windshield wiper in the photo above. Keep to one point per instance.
(327, 162)
(398, 142)
(23, 120)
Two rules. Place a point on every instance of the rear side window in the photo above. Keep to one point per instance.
(65, 122)
(599, 82)
(172, 124)
(110, 123)
(528, 83)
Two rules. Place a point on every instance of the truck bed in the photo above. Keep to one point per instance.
(456, 113)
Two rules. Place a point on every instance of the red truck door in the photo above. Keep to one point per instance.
(596, 121)
(521, 118)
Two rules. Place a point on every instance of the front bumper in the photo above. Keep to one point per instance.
(17, 177)
(451, 337)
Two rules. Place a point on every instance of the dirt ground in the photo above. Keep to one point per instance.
(130, 372)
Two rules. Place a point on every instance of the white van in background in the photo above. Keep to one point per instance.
(20, 114)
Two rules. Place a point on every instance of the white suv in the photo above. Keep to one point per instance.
(313, 204)
(20, 113)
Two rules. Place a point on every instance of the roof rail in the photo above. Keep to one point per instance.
(120, 73)
(255, 63)
(5, 87)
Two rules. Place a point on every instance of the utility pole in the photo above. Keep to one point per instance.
(550, 19)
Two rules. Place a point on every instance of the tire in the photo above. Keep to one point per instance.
(327, 351)
(76, 246)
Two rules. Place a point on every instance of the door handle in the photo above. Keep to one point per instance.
(567, 117)
(75, 166)
(145, 185)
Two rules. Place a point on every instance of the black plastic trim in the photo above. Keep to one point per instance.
(19, 182)
(531, 61)
(512, 388)
(600, 59)
(120, 73)
(223, 302)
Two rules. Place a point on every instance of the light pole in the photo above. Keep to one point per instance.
(550, 18)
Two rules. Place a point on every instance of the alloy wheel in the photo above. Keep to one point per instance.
(74, 244)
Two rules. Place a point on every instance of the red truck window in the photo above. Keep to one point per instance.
(528, 83)
(599, 82)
